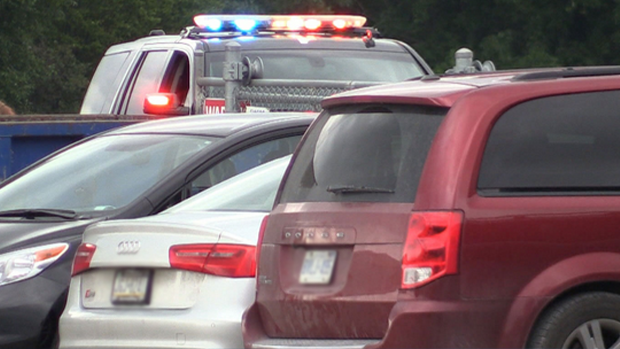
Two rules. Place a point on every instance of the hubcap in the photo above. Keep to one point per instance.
(595, 334)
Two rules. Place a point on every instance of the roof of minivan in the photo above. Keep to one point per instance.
(218, 125)
(444, 91)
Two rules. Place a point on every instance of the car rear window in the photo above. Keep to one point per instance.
(364, 153)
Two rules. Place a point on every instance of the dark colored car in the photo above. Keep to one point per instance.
(130, 172)
(475, 211)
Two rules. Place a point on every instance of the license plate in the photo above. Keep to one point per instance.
(131, 286)
(318, 267)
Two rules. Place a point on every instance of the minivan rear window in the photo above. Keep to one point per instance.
(364, 153)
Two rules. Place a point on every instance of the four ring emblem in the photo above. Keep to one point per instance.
(128, 247)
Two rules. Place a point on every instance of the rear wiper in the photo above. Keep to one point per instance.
(39, 212)
(344, 189)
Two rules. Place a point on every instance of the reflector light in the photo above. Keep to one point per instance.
(248, 23)
(431, 247)
(227, 260)
(82, 258)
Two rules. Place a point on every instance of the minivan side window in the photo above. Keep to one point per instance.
(555, 145)
(105, 83)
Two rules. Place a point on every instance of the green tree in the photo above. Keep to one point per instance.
(50, 48)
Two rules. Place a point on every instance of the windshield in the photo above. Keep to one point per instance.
(340, 65)
(103, 173)
(253, 190)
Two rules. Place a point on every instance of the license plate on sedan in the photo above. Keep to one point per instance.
(131, 286)
(318, 267)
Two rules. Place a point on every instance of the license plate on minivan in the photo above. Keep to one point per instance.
(131, 286)
(318, 267)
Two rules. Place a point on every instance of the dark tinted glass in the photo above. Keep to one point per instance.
(365, 154)
(105, 83)
(552, 145)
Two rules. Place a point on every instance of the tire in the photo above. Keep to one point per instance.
(588, 320)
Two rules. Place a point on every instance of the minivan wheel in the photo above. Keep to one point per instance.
(589, 320)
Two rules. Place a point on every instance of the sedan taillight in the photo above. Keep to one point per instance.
(229, 260)
(431, 248)
(82, 258)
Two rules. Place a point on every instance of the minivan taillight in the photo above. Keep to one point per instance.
(82, 258)
(431, 247)
(227, 260)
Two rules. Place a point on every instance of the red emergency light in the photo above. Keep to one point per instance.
(164, 104)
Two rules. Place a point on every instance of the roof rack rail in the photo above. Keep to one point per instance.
(568, 73)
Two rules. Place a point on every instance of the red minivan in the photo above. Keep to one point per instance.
(478, 211)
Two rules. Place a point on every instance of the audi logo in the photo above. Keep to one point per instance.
(128, 247)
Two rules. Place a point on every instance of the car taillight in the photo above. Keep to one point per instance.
(227, 260)
(431, 248)
(82, 258)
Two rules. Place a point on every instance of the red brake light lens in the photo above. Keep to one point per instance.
(227, 260)
(431, 248)
(83, 256)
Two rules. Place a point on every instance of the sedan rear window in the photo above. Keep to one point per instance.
(364, 153)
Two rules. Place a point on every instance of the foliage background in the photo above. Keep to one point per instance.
(50, 48)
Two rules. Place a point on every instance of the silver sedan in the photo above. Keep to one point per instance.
(180, 279)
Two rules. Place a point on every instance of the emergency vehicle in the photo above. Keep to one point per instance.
(261, 62)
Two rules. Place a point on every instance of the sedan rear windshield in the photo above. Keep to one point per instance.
(364, 153)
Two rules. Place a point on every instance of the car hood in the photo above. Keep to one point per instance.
(230, 226)
(16, 235)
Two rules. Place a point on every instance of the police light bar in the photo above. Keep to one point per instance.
(250, 23)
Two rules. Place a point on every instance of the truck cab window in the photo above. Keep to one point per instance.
(176, 78)
(105, 83)
(146, 81)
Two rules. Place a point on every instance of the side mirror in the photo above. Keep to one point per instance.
(164, 104)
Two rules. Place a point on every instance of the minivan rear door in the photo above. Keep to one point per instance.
(330, 260)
